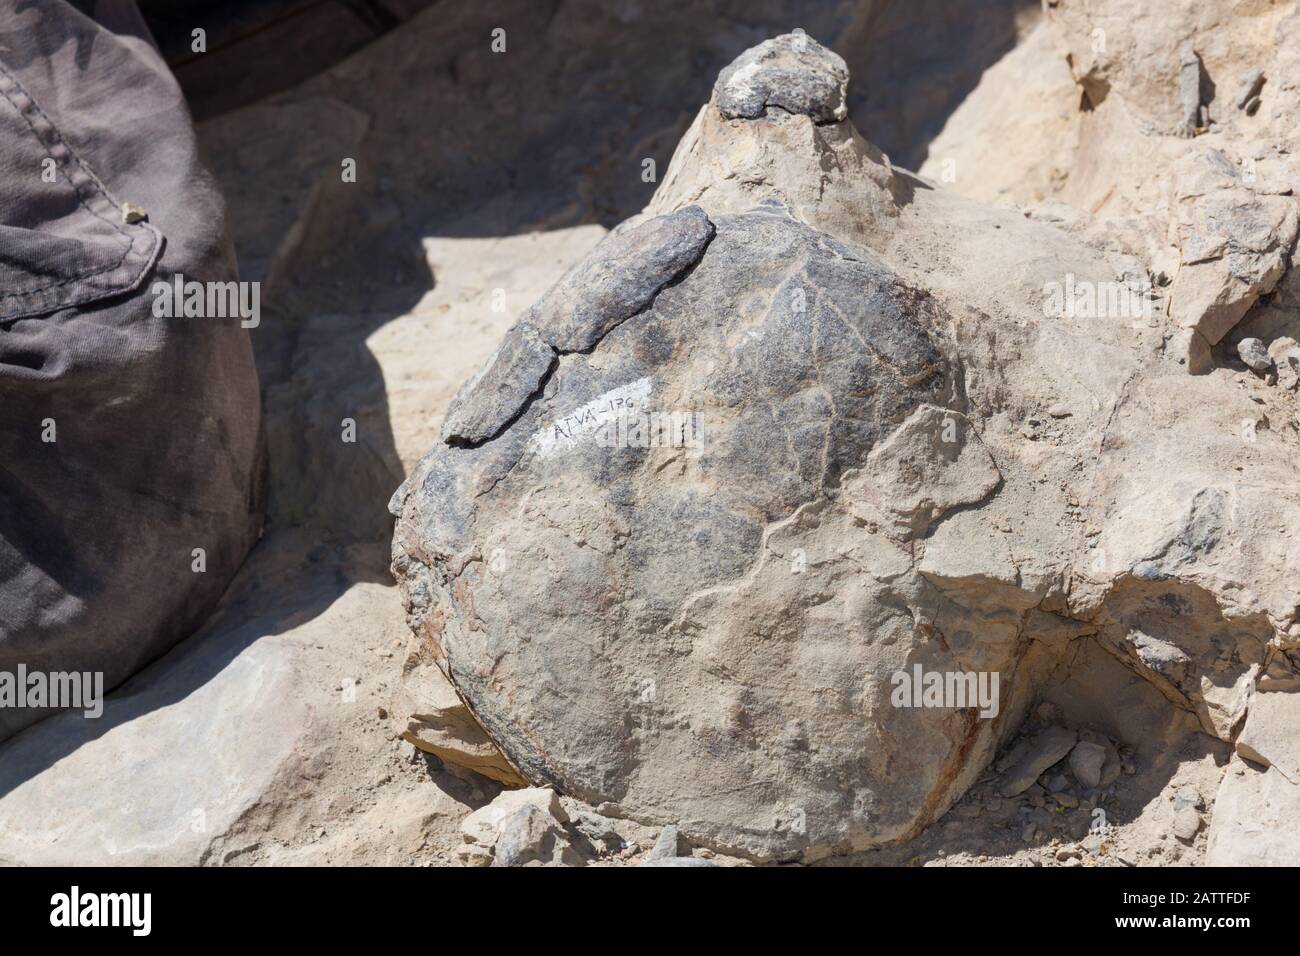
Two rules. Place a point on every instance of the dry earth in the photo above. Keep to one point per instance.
(274, 735)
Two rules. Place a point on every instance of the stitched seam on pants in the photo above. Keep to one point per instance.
(15, 93)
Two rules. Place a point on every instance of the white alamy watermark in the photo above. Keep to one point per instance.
(75, 908)
(75, 690)
(946, 689)
(565, 433)
(192, 299)
(1083, 299)
(654, 429)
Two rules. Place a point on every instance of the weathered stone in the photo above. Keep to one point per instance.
(1187, 822)
(1271, 735)
(1253, 353)
(1045, 749)
(531, 835)
(593, 825)
(795, 341)
(616, 281)
(932, 463)
(1187, 796)
(1189, 88)
(521, 827)
(1113, 767)
(792, 72)
(620, 278)
(1189, 348)
(1086, 761)
(664, 852)
(1235, 243)
(1288, 364)
(1163, 657)
(443, 726)
(1254, 817)
(666, 844)
(1248, 86)
(483, 825)
(474, 855)
(491, 398)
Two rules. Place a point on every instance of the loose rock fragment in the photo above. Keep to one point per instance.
(444, 727)
(1045, 749)
(792, 72)
(620, 278)
(518, 828)
(1189, 89)
(1186, 823)
(664, 852)
(1255, 355)
(1086, 760)
(487, 401)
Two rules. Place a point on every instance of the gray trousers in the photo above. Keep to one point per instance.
(131, 444)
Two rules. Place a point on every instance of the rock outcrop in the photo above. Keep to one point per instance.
(862, 428)
(1121, 533)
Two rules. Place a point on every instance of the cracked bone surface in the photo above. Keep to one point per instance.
(885, 453)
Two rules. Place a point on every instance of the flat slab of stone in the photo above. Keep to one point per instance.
(438, 722)
(1271, 736)
(1254, 821)
(1049, 746)
(127, 789)
(620, 277)
(491, 398)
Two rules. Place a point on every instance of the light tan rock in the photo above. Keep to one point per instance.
(827, 174)
(1012, 140)
(931, 464)
(1271, 736)
(1254, 820)
(441, 724)
(519, 828)
(483, 826)
(1097, 484)
(1235, 242)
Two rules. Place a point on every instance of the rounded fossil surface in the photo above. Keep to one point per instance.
(648, 585)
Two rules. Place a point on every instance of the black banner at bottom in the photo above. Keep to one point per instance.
(309, 905)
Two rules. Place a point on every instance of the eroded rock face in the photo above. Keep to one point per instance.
(675, 557)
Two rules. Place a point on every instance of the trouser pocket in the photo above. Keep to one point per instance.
(64, 241)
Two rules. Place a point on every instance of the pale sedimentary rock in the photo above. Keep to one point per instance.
(888, 451)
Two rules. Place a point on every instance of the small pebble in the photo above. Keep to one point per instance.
(1186, 823)
(1254, 354)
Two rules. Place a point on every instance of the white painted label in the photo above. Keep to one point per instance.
(563, 434)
